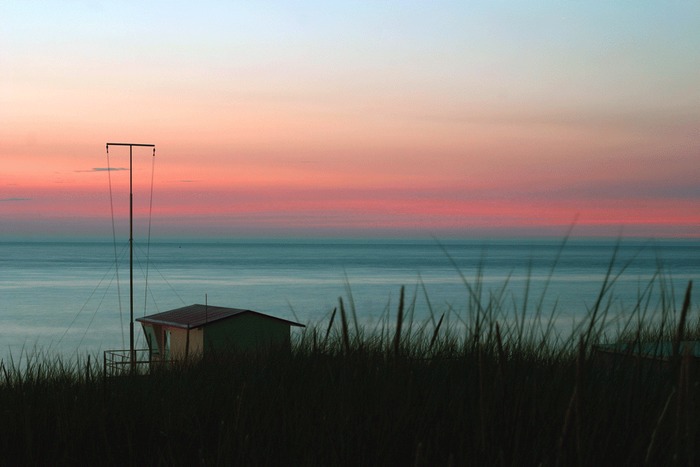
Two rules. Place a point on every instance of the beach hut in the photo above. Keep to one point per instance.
(195, 330)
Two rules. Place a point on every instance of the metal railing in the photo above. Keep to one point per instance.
(119, 362)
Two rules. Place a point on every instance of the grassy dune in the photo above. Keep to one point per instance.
(501, 387)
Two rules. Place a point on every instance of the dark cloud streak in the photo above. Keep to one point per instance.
(103, 169)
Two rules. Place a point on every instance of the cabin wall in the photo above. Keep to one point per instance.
(178, 342)
(196, 342)
(247, 332)
(180, 348)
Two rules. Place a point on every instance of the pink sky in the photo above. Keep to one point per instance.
(447, 120)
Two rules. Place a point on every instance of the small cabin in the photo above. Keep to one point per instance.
(197, 329)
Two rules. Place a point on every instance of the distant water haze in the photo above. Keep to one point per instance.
(64, 298)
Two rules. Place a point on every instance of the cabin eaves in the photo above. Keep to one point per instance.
(196, 316)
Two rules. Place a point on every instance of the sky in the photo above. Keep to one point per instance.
(351, 119)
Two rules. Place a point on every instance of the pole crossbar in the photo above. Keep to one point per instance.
(132, 144)
(132, 352)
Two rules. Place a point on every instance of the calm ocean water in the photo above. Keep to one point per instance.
(68, 298)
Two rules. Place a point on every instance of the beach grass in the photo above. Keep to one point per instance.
(499, 384)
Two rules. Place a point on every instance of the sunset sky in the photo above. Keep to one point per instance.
(376, 118)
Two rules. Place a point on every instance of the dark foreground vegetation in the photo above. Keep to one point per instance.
(494, 390)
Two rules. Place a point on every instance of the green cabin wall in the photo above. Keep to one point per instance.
(248, 331)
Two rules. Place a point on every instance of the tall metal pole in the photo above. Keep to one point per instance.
(132, 352)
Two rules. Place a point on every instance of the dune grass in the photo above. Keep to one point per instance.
(499, 386)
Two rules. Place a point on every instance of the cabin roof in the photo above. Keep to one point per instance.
(195, 316)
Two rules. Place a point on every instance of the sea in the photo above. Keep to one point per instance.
(71, 299)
